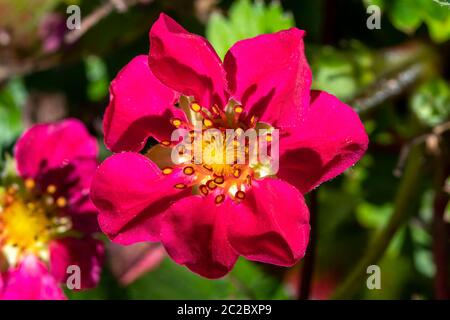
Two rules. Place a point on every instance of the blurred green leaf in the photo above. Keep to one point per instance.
(342, 72)
(408, 15)
(12, 99)
(170, 281)
(246, 20)
(431, 102)
(97, 75)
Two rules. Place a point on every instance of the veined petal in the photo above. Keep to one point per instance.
(140, 106)
(30, 280)
(271, 225)
(331, 139)
(270, 76)
(194, 234)
(186, 63)
(131, 194)
(46, 147)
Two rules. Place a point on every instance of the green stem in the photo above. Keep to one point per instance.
(406, 193)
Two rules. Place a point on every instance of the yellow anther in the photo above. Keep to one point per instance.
(237, 173)
(165, 143)
(51, 188)
(167, 170)
(180, 186)
(176, 122)
(207, 123)
(240, 195)
(269, 137)
(238, 109)
(211, 185)
(219, 199)
(30, 184)
(204, 189)
(195, 107)
(188, 171)
(61, 202)
(219, 180)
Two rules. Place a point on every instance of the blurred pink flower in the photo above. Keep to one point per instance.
(51, 31)
(207, 215)
(47, 219)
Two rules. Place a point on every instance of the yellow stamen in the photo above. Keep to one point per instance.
(61, 202)
(180, 186)
(238, 109)
(165, 143)
(51, 189)
(219, 199)
(176, 122)
(207, 123)
(30, 184)
(167, 170)
(195, 107)
(188, 171)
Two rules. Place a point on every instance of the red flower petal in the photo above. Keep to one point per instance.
(270, 76)
(131, 193)
(186, 63)
(30, 280)
(140, 106)
(194, 234)
(331, 139)
(46, 147)
(86, 253)
(271, 225)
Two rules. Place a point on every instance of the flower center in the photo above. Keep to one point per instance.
(29, 220)
(219, 150)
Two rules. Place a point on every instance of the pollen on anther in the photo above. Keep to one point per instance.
(180, 186)
(176, 122)
(237, 173)
(167, 170)
(195, 107)
(30, 184)
(269, 137)
(204, 189)
(61, 202)
(51, 189)
(188, 170)
(240, 195)
(238, 109)
(165, 143)
(211, 185)
(219, 180)
(219, 199)
(207, 123)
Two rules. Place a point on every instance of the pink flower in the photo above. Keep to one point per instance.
(207, 215)
(47, 220)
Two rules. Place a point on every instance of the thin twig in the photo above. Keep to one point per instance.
(96, 16)
(407, 191)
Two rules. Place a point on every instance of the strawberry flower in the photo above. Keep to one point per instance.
(207, 214)
(46, 217)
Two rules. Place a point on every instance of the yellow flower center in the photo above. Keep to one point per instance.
(29, 220)
(219, 153)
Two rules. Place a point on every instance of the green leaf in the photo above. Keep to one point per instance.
(97, 75)
(406, 15)
(431, 102)
(245, 20)
(12, 99)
